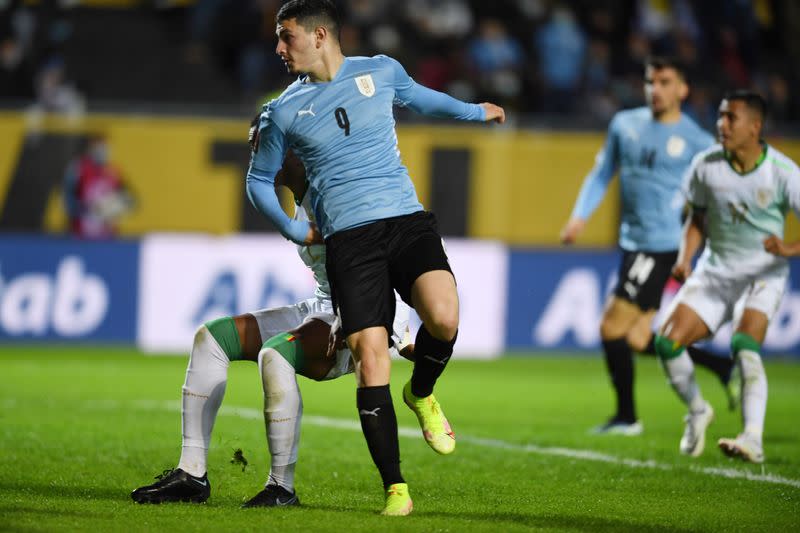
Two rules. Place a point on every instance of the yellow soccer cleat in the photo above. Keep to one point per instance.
(398, 501)
(435, 428)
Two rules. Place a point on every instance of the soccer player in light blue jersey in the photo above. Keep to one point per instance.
(739, 192)
(285, 342)
(338, 119)
(650, 148)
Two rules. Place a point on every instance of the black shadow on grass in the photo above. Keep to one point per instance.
(579, 522)
(20, 509)
(65, 491)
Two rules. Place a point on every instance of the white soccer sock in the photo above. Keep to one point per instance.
(754, 392)
(206, 377)
(680, 371)
(283, 409)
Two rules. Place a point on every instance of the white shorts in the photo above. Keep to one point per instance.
(277, 320)
(718, 300)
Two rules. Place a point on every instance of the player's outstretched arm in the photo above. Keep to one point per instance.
(594, 187)
(776, 246)
(572, 229)
(690, 243)
(425, 101)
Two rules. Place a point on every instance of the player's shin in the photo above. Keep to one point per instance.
(754, 382)
(680, 371)
(278, 362)
(215, 345)
(379, 424)
(431, 357)
(619, 362)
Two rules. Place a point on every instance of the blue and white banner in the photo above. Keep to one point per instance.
(556, 299)
(189, 279)
(157, 291)
(63, 289)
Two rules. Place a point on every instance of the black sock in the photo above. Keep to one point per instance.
(619, 360)
(721, 366)
(430, 357)
(379, 424)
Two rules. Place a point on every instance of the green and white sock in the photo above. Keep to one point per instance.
(754, 383)
(215, 345)
(278, 361)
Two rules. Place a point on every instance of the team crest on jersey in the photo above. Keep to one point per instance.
(365, 85)
(675, 146)
(763, 197)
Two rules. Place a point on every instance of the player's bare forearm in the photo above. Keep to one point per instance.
(690, 243)
(775, 245)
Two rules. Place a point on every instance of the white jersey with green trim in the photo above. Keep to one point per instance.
(742, 210)
(313, 256)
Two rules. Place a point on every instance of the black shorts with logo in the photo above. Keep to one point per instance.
(368, 263)
(643, 276)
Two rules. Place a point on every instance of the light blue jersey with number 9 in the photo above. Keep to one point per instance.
(344, 133)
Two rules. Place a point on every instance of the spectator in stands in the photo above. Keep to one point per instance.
(16, 71)
(561, 48)
(94, 192)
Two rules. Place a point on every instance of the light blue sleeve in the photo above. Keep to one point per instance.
(265, 162)
(420, 99)
(596, 182)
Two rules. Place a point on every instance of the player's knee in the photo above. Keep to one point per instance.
(610, 330)
(206, 348)
(667, 348)
(638, 341)
(286, 346)
(223, 331)
(443, 323)
(743, 341)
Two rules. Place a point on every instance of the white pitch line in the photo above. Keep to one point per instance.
(572, 453)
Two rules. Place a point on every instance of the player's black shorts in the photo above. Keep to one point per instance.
(642, 277)
(368, 263)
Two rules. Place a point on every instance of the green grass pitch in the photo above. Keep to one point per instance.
(81, 428)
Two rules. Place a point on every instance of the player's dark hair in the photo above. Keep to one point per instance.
(311, 14)
(753, 101)
(662, 62)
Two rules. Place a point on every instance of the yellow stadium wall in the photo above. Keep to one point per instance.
(522, 183)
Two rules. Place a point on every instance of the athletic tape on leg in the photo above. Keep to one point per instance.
(743, 341)
(667, 348)
(289, 347)
(227, 336)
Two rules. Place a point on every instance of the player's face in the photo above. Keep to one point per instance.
(737, 126)
(296, 46)
(664, 89)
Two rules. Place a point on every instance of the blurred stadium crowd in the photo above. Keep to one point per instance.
(579, 58)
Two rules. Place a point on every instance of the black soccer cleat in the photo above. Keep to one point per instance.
(174, 486)
(272, 496)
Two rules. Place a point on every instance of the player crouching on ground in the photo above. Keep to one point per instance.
(739, 192)
(295, 341)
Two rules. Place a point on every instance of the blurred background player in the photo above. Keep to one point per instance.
(338, 118)
(739, 192)
(651, 147)
(284, 341)
(94, 193)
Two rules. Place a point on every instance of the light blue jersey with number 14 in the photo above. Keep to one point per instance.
(344, 133)
(652, 157)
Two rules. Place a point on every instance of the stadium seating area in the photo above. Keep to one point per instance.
(578, 58)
